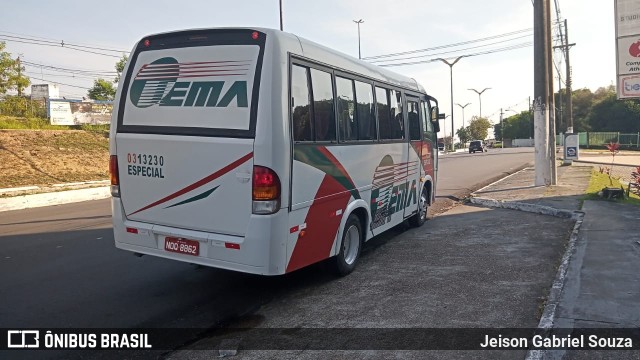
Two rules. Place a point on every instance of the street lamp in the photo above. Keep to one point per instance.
(359, 22)
(451, 77)
(480, 97)
(462, 107)
(502, 126)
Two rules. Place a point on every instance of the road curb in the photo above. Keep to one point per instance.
(53, 198)
(526, 207)
(549, 313)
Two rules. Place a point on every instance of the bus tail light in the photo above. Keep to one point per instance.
(115, 177)
(266, 190)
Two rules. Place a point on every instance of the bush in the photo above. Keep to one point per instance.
(22, 107)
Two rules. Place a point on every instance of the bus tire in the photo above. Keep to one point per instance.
(350, 247)
(423, 206)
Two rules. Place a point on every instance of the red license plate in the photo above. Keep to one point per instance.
(182, 246)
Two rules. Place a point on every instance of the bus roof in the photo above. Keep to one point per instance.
(322, 54)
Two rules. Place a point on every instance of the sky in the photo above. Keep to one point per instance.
(389, 27)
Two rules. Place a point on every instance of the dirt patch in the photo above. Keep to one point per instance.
(45, 157)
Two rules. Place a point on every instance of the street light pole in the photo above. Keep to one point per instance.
(359, 22)
(480, 97)
(444, 128)
(462, 107)
(281, 27)
(451, 86)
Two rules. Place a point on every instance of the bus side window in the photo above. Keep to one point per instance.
(300, 113)
(384, 114)
(324, 116)
(414, 120)
(347, 122)
(365, 111)
(397, 123)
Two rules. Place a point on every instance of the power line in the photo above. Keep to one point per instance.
(59, 83)
(73, 76)
(75, 71)
(448, 45)
(70, 47)
(57, 42)
(454, 51)
(508, 48)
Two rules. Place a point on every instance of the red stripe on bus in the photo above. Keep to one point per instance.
(199, 183)
(322, 228)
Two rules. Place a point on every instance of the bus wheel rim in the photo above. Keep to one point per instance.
(423, 206)
(351, 245)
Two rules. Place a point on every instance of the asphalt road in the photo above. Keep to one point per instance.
(462, 172)
(59, 267)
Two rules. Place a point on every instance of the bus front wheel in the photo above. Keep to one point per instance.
(423, 206)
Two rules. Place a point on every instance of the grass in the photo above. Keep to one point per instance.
(18, 123)
(21, 123)
(599, 181)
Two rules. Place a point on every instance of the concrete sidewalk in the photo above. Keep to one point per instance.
(28, 197)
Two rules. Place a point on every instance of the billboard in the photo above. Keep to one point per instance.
(627, 13)
(75, 112)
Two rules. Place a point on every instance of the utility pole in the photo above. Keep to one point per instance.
(552, 102)
(501, 129)
(569, 95)
(19, 75)
(560, 110)
(281, 27)
(541, 49)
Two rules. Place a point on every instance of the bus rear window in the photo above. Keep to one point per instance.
(205, 87)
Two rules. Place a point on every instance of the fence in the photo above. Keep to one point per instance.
(589, 139)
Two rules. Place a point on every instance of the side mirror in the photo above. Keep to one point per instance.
(435, 116)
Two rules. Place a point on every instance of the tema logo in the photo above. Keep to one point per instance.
(157, 83)
(391, 191)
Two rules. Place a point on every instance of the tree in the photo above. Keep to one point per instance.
(463, 135)
(102, 90)
(610, 114)
(517, 126)
(11, 73)
(582, 101)
(120, 67)
(479, 128)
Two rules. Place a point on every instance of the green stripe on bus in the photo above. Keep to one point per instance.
(195, 198)
(312, 156)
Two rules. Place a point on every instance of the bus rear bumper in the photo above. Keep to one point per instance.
(254, 253)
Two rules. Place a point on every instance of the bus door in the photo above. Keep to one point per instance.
(429, 141)
(414, 168)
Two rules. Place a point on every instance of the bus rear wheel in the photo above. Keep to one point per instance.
(350, 247)
(423, 206)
